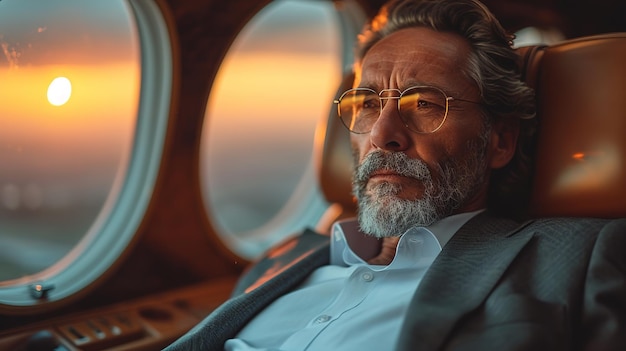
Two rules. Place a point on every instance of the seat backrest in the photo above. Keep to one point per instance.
(580, 161)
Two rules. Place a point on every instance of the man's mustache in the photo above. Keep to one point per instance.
(397, 162)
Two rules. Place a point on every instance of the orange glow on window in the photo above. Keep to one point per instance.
(250, 96)
(97, 113)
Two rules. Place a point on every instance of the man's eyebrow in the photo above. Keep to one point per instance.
(402, 87)
(369, 86)
(447, 90)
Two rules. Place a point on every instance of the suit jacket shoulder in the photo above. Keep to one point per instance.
(546, 284)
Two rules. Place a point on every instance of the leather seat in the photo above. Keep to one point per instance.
(580, 163)
(580, 150)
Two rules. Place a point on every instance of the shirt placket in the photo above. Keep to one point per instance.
(357, 287)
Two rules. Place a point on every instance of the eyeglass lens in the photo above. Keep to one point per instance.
(422, 109)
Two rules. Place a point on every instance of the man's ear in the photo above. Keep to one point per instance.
(503, 143)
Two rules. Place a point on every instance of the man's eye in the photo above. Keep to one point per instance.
(371, 103)
(423, 104)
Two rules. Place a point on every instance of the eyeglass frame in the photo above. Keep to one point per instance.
(401, 93)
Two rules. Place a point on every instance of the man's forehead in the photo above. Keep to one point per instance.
(417, 54)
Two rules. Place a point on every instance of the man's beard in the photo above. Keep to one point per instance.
(382, 213)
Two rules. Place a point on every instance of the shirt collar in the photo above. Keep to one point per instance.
(348, 243)
(444, 229)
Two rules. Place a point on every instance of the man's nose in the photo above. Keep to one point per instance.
(389, 131)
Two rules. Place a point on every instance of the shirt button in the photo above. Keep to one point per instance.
(322, 319)
(367, 276)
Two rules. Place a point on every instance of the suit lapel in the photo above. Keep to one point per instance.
(460, 279)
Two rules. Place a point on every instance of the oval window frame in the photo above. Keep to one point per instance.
(295, 214)
(113, 232)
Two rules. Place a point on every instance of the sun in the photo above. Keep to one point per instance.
(59, 91)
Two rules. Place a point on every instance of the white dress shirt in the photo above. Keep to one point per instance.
(349, 304)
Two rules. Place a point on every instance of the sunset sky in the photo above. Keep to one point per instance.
(94, 46)
(34, 32)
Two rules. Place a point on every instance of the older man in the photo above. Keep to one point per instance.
(434, 113)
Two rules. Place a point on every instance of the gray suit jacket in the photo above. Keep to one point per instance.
(547, 284)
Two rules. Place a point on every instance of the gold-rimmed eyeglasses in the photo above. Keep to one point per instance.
(422, 109)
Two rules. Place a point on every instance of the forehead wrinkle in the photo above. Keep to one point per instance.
(401, 73)
(416, 56)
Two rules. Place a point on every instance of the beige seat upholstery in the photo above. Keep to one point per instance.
(580, 160)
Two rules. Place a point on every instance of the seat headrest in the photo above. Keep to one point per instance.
(580, 161)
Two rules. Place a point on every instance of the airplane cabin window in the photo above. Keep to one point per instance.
(275, 83)
(69, 98)
(71, 74)
(537, 36)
